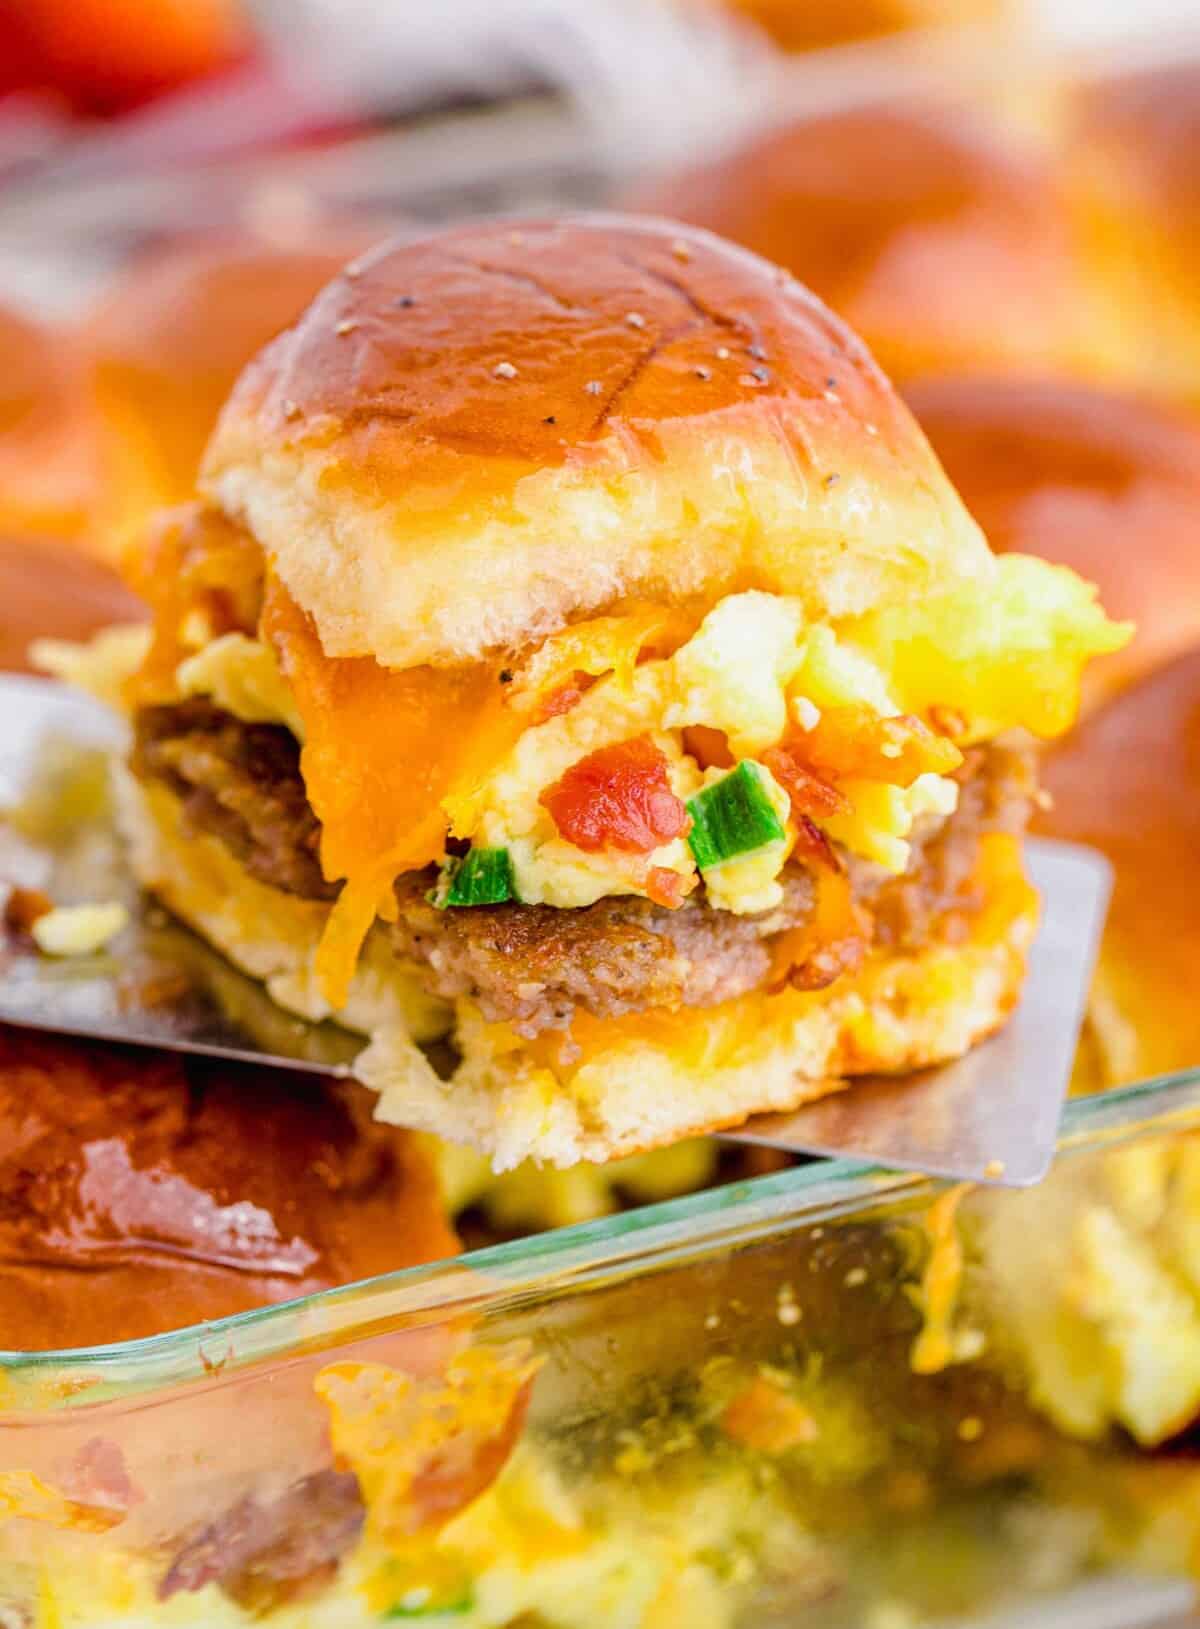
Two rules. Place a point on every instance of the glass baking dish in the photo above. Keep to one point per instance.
(823, 1397)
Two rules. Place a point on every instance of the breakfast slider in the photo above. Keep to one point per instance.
(576, 651)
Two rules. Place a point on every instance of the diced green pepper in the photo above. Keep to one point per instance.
(482, 877)
(430, 1610)
(733, 816)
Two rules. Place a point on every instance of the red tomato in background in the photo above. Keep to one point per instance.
(104, 56)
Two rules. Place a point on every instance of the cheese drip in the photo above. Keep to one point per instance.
(381, 751)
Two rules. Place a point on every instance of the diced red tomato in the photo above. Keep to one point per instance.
(618, 797)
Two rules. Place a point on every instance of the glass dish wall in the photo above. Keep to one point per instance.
(825, 1398)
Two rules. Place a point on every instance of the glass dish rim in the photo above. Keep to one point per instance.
(648, 1237)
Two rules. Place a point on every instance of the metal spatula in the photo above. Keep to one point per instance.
(990, 1117)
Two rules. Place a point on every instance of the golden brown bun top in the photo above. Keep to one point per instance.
(473, 437)
(1128, 783)
(46, 453)
(1105, 483)
(939, 238)
(144, 1193)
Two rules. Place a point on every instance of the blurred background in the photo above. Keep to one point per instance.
(1001, 196)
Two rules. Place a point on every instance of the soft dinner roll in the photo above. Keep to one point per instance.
(1132, 142)
(939, 237)
(1128, 782)
(147, 1192)
(576, 649)
(48, 588)
(47, 467)
(1105, 483)
(808, 25)
(166, 344)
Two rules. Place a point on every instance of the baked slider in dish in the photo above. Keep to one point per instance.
(149, 1193)
(1131, 141)
(47, 441)
(1128, 783)
(165, 345)
(945, 240)
(819, 24)
(1103, 481)
(577, 650)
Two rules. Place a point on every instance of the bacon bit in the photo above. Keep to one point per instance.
(709, 747)
(834, 942)
(949, 721)
(456, 1473)
(666, 887)
(618, 797)
(810, 794)
(23, 907)
(813, 846)
(764, 1418)
(422, 1451)
(852, 743)
(99, 1476)
(562, 700)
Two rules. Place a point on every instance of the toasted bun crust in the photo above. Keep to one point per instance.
(1128, 782)
(939, 238)
(182, 1190)
(1106, 483)
(628, 1094)
(472, 438)
(47, 467)
(165, 346)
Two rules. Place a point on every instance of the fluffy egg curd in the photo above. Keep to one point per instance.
(575, 651)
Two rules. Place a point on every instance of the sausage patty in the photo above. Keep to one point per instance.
(535, 965)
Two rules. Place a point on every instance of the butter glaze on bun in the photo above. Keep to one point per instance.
(144, 1193)
(1101, 481)
(472, 439)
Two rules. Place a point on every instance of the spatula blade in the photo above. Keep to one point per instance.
(993, 1115)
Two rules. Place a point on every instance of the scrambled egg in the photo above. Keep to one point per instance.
(1096, 1277)
(541, 1196)
(1009, 657)
(242, 676)
(79, 930)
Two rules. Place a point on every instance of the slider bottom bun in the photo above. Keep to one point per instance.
(615, 1087)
